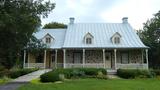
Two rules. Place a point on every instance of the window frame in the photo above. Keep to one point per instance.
(127, 57)
(88, 40)
(117, 40)
(39, 58)
(48, 40)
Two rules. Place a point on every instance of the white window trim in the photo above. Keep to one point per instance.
(48, 40)
(52, 39)
(87, 36)
(88, 40)
(116, 38)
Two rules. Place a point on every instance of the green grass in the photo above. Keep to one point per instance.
(4, 80)
(96, 84)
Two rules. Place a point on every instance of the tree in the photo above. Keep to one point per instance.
(150, 35)
(19, 19)
(54, 25)
(35, 46)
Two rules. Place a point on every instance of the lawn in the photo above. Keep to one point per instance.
(4, 80)
(97, 84)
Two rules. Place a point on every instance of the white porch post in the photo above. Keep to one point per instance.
(104, 59)
(45, 58)
(55, 58)
(24, 59)
(64, 58)
(28, 59)
(142, 57)
(115, 58)
(147, 57)
(83, 57)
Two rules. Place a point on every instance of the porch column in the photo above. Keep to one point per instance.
(142, 57)
(55, 58)
(45, 58)
(104, 59)
(64, 58)
(24, 59)
(83, 57)
(147, 57)
(115, 58)
(28, 59)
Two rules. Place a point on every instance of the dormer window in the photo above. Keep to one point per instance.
(116, 38)
(48, 40)
(88, 38)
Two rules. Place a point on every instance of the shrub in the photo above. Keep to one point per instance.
(101, 75)
(56, 74)
(75, 73)
(2, 67)
(133, 73)
(50, 77)
(19, 72)
(156, 72)
(5, 72)
(93, 71)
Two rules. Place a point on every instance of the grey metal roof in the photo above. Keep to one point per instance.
(73, 36)
(57, 34)
(102, 33)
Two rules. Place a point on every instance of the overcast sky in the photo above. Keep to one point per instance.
(103, 11)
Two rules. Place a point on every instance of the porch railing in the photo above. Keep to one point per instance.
(90, 65)
(34, 65)
(86, 65)
(132, 66)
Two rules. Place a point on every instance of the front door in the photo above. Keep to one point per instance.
(108, 59)
(52, 61)
(77, 58)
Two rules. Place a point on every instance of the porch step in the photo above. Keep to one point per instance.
(111, 72)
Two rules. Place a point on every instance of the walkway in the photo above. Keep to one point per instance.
(31, 76)
(13, 85)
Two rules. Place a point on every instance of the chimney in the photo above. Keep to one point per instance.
(71, 19)
(125, 20)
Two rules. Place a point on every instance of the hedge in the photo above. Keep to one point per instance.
(14, 73)
(155, 72)
(50, 77)
(60, 74)
(134, 73)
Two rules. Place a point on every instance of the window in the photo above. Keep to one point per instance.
(116, 40)
(88, 40)
(124, 58)
(48, 40)
(39, 58)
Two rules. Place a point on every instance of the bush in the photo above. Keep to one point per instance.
(2, 68)
(156, 72)
(4, 73)
(56, 75)
(19, 72)
(50, 77)
(134, 73)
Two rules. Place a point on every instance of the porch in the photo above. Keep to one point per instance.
(111, 59)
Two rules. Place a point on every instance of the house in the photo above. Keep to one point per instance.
(99, 45)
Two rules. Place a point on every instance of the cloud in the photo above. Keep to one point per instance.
(138, 12)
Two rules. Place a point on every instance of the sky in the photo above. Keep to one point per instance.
(103, 11)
